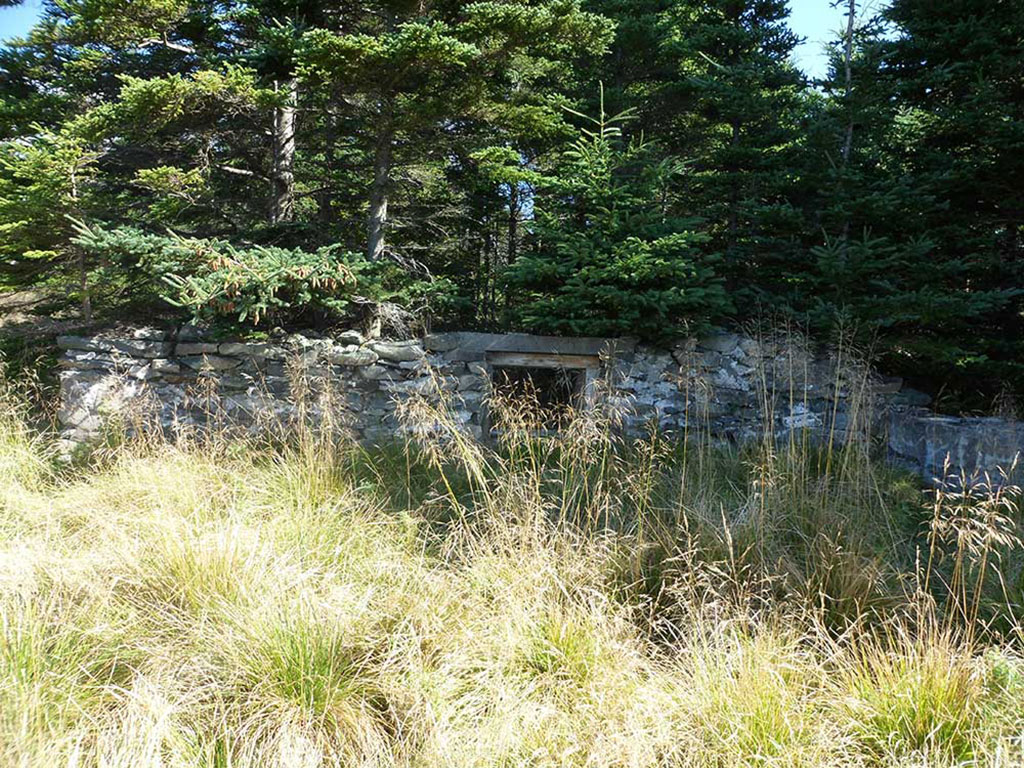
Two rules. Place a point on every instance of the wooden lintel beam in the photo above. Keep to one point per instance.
(533, 360)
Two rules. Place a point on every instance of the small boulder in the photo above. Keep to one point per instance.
(350, 338)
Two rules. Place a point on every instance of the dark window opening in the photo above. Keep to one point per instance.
(556, 392)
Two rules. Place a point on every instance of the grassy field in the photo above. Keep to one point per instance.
(571, 601)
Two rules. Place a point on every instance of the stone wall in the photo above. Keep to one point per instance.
(924, 441)
(732, 386)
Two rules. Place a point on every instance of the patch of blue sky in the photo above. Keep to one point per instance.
(16, 20)
(819, 22)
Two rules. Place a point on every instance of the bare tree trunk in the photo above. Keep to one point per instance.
(83, 285)
(378, 219)
(515, 211)
(486, 303)
(733, 223)
(80, 264)
(851, 18)
(513, 224)
(378, 216)
(326, 197)
(282, 207)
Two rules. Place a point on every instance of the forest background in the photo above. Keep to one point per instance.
(585, 167)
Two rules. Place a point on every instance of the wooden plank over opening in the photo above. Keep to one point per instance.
(541, 360)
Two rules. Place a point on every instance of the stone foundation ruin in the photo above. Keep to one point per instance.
(730, 385)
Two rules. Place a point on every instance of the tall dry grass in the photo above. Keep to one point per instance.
(579, 599)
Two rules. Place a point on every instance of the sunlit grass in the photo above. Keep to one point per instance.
(582, 600)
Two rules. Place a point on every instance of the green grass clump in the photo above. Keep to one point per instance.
(579, 600)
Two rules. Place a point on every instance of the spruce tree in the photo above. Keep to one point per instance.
(713, 83)
(734, 105)
(416, 74)
(863, 249)
(46, 182)
(612, 257)
(956, 67)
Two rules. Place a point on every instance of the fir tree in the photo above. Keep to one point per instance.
(415, 74)
(734, 106)
(956, 68)
(611, 257)
(46, 181)
(713, 82)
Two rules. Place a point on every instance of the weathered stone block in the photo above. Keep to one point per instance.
(83, 343)
(350, 338)
(165, 367)
(465, 355)
(441, 342)
(137, 348)
(210, 363)
(728, 379)
(751, 348)
(235, 381)
(378, 373)
(143, 372)
(352, 356)
(472, 399)
(685, 352)
(398, 351)
(723, 343)
(421, 386)
(195, 348)
(131, 347)
(236, 349)
(802, 417)
(150, 334)
(471, 381)
(912, 398)
(709, 360)
(87, 397)
(87, 361)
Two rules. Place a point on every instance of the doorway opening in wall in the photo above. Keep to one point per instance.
(552, 388)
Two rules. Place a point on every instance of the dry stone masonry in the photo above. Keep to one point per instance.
(732, 386)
